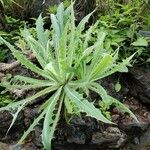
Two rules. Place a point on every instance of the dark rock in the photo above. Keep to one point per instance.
(83, 8)
(111, 137)
(15, 131)
(109, 84)
(75, 134)
(26, 146)
(144, 141)
(29, 115)
(37, 136)
(78, 131)
(115, 118)
(138, 82)
(128, 124)
(31, 9)
(141, 143)
(4, 146)
(17, 147)
(133, 128)
(76, 120)
(78, 138)
(31, 146)
(41, 6)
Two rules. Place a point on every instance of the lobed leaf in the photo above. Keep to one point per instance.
(51, 119)
(41, 34)
(85, 105)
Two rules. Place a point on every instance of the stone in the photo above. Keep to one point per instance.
(15, 131)
(17, 147)
(37, 140)
(138, 82)
(31, 8)
(41, 6)
(4, 146)
(77, 138)
(29, 115)
(83, 8)
(112, 137)
(142, 142)
(132, 127)
(76, 120)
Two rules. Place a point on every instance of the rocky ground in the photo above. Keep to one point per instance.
(85, 133)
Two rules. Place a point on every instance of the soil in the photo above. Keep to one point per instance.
(85, 133)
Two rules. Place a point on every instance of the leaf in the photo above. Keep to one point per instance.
(82, 23)
(2, 2)
(51, 119)
(14, 86)
(56, 33)
(148, 60)
(98, 52)
(140, 42)
(123, 108)
(21, 104)
(14, 105)
(108, 100)
(88, 34)
(41, 34)
(60, 17)
(32, 80)
(100, 90)
(120, 67)
(68, 105)
(117, 87)
(24, 61)
(72, 45)
(31, 128)
(85, 106)
(38, 50)
(101, 66)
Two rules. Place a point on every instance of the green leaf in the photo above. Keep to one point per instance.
(60, 16)
(108, 100)
(41, 34)
(56, 34)
(102, 66)
(21, 104)
(24, 61)
(117, 87)
(123, 108)
(120, 67)
(38, 50)
(97, 54)
(82, 23)
(140, 42)
(85, 106)
(148, 60)
(51, 119)
(72, 45)
(31, 128)
(14, 86)
(100, 90)
(15, 105)
(33, 81)
(68, 105)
